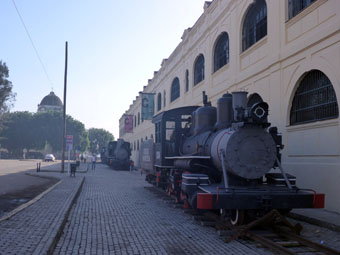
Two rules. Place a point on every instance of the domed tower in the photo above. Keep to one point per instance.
(50, 103)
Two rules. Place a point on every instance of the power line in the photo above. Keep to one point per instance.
(35, 49)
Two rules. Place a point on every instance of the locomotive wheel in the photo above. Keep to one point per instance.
(237, 217)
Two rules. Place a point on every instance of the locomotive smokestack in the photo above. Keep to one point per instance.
(239, 104)
(224, 112)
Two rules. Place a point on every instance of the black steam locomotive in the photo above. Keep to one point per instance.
(118, 155)
(223, 158)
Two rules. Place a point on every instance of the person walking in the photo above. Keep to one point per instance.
(94, 158)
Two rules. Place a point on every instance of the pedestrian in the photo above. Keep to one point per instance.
(94, 158)
(132, 164)
(81, 158)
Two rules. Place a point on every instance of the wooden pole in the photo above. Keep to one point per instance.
(64, 113)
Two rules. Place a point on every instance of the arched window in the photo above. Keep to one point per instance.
(159, 102)
(254, 24)
(187, 80)
(164, 98)
(138, 118)
(175, 90)
(199, 69)
(314, 99)
(296, 6)
(221, 54)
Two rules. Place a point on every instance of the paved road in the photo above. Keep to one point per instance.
(115, 214)
(13, 177)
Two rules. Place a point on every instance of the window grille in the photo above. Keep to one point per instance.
(221, 54)
(159, 102)
(199, 69)
(314, 99)
(175, 90)
(186, 80)
(255, 24)
(158, 132)
(296, 6)
(164, 98)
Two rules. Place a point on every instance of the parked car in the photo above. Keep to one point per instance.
(49, 157)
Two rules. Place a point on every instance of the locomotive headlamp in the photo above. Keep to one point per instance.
(259, 112)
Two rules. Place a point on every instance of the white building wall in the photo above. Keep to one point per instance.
(272, 68)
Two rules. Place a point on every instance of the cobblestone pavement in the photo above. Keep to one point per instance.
(115, 214)
(34, 229)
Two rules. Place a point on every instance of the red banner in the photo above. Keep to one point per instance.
(128, 123)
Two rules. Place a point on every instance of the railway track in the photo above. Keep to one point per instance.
(272, 231)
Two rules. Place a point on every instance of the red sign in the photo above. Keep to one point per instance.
(69, 142)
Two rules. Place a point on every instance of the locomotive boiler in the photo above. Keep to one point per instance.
(223, 158)
(118, 155)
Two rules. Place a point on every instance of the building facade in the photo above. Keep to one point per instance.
(286, 53)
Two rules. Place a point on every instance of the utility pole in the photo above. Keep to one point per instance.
(64, 114)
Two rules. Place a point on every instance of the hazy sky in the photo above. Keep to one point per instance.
(114, 48)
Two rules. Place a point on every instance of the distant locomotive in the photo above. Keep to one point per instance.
(103, 156)
(118, 155)
(219, 158)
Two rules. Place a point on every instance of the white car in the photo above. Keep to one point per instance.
(49, 157)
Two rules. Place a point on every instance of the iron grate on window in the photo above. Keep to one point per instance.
(159, 102)
(296, 6)
(314, 99)
(175, 90)
(221, 54)
(199, 69)
(255, 24)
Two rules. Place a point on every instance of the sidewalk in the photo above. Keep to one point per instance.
(34, 229)
(319, 217)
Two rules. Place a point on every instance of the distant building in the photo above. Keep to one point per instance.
(50, 103)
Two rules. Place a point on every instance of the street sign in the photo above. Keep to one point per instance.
(69, 142)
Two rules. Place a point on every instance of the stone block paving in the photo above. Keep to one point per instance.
(34, 229)
(115, 214)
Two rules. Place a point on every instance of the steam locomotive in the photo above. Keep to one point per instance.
(224, 158)
(118, 155)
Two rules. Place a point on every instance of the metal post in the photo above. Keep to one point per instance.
(64, 114)
(283, 173)
(225, 177)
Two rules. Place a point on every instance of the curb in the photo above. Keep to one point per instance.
(27, 204)
(56, 238)
(314, 221)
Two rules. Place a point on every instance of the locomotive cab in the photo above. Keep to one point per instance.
(169, 128)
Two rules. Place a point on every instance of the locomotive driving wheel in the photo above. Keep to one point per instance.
(237, 217)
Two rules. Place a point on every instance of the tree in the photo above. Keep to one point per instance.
(99, 138)
(25, 130)
(18, 133)
(6, 94)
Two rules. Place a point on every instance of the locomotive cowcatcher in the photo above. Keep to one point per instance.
(224, 158)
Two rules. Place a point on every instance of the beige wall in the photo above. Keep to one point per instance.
(272, 68)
